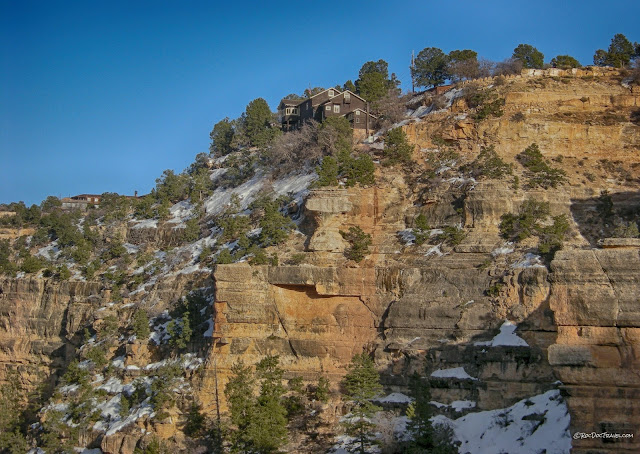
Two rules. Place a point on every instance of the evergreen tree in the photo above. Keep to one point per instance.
(349, 85)
(260, 423)
(327, 172)
(221, 137)
(430, 67)
(269, 428)
(419, 413)
(242, 405)
(361, 384)
(397, 149)
(529, 56)
(565, 62)
(374, 82)
(257, 122)
(141, 324)
(620, 51)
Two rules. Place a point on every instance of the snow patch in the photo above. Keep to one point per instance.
(506, 337)
(396, 398)
(529, 261)
(146, 224)
(456, 372)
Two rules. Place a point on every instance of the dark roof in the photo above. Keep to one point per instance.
(292, 102)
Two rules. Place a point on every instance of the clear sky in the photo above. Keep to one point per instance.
(100, 96)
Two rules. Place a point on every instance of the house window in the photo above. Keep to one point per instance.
(331, 94)
(328, 108)
(357, 120)
(336, 108)
(357, 112)
(347, 97)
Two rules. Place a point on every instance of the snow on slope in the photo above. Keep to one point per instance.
(531, 426)
(258, 184)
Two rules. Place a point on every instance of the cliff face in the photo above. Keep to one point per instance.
(428, 308)
(37, 321)
(490, 322)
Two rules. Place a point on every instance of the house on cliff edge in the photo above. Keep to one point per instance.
(331, 102)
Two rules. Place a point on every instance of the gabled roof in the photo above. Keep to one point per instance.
(353, 94)
(359, 109)
(317, 94)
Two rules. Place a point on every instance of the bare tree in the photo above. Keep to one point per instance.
(464, 69)
(508, 67)
(290, 150)
(392, 109)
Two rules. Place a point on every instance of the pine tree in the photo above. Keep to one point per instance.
(361, 384)
(269, 428)
(430, 67)
(529, 56)
(260, 423)
(141, 324)
(221, 137)
(257, 122)
(242, 405)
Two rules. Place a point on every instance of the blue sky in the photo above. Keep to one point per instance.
(104, 95)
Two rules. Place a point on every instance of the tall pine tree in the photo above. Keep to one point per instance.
(361, 384)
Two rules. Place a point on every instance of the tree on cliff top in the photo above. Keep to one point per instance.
(430, 67)
(565, 62)
(374, 82)
(257, 123)
(619, 54)
(529, 56)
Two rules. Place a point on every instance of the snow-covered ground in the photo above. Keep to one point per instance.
(531, 426)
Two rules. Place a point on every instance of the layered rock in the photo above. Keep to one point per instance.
(595, 295)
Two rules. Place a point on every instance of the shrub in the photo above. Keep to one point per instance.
(224, 257)
(109, 327)
(397, 149)
(529, 222)
(526, 223)
(32, 264)
(490, 165)
(356, 170)
(297, 259)
(629, 230)
(98, 355)
(191, 230)
(275, 226)
(63, 272)
(195, 421)
(359, 242)
(76, 375)
(552, 237)
(452, 235)
(141, 324)
(538, 172)
(180, 331)
(322, 390)
(421, 229)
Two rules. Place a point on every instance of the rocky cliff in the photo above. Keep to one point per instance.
(490, 322)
